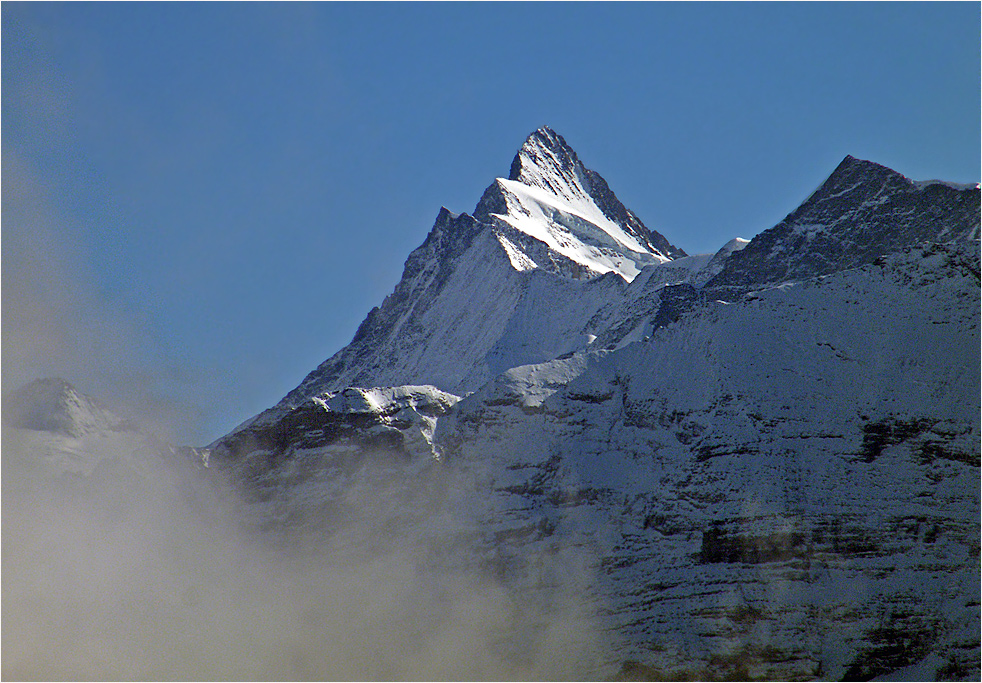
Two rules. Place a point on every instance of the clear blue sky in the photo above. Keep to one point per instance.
(202, 201)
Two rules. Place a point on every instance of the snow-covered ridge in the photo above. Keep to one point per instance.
(551, 263)
(56, 429)
(921, 184)
(516, 282)
(380, 400)
(862, 211)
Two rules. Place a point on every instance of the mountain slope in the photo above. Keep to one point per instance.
(515, 283)
(550, 196)
(54, 428)
(54, 405)
(758, 464)
(778, 487)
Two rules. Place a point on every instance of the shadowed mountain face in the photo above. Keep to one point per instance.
(758, 464)
(863, 211)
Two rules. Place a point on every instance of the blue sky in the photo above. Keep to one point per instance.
(201, 201)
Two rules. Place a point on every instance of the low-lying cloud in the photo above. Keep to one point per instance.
(151, 567)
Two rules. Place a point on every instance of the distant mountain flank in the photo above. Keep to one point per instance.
(56, 427)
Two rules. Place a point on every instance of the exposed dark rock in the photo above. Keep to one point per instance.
(676, 300)
(901, 640)
(720, 546)
(934, 446)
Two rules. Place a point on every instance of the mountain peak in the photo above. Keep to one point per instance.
(852, 171)
(54, 405)
(545, 160)
(852, 163)
(471, 303)
(544, 138)
(862, 211)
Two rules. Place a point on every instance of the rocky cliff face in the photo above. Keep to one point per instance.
(760, 464)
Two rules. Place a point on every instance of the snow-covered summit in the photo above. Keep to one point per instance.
(552, 263)
(53, 428)
(515, 283)
(552, 198)
(547, 162)
(54, 405)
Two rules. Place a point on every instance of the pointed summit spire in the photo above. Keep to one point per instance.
(546, 161)
(544, 155)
